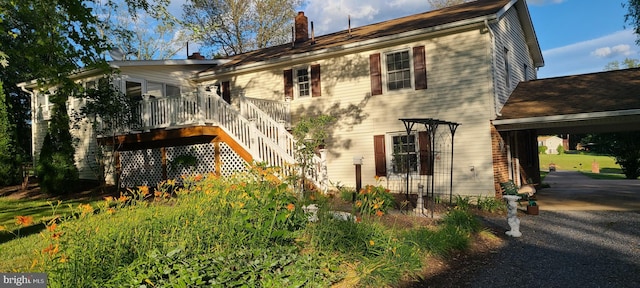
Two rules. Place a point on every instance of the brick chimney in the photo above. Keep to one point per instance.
(302, 28)
(196, 56)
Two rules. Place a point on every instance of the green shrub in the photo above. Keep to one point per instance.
(463, 202)
(560, 149)
(542, 149)
(462, 219)
(490, 204)
(453, 235)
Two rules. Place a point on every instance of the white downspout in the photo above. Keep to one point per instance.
(33, 121)
(493, 68)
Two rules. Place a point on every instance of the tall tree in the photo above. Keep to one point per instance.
(626, 64)
(230, 27)
(633, 17)
(9, 172)
(45, 40)
(624, 146)
(141, 30)
(439, 4)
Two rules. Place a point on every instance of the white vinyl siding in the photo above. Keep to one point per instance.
(458, 68)
(509, 35)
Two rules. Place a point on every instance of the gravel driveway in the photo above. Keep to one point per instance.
(587, 235)
(567, 249)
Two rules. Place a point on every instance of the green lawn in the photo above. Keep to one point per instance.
(580, 162)
(16, 255)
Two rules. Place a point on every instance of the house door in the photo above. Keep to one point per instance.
(134, 89)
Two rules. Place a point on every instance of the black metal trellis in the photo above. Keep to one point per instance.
(431, 125)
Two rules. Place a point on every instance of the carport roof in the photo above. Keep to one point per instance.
(604, 101)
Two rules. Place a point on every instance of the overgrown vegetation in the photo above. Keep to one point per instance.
(249, 229)
(56, 168)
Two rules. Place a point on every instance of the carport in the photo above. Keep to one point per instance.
(588, 103)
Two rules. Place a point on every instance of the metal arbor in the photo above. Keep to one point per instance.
(431, 125)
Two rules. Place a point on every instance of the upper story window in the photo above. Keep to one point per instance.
(404, 69)
(303, 82)
(398, 70)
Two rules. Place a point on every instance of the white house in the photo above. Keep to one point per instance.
(448, 71)
(551, 142)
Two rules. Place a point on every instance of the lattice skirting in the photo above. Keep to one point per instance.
(146, 167)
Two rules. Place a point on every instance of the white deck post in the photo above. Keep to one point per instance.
(200, 99)
(146, 112)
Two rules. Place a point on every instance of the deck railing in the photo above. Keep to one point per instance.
(266, 138)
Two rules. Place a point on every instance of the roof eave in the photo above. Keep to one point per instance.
(566, 117)
(167, 62)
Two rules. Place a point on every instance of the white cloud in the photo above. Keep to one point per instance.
(609, 52)
(589, 56)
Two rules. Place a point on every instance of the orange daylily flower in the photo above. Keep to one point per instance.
(111, 211)
(144, 190)
(108, 198)
(24, 220)
(291, 207)
(56, 236)
(198, 177)
(52, 227)
(51, 250)
(86, 208)
(379, 213)
(371, 242)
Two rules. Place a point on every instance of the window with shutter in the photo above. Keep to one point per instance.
(410, 153)
(303, 82)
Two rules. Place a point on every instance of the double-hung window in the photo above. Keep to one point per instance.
(303, 82)
(398, 70)
(399, 153)
(404, 154)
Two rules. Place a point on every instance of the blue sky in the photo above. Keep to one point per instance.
(581, 36)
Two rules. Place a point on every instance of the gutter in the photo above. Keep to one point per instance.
(569, 117)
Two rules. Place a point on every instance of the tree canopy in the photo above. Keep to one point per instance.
(633, 17)
(439, 4)
(230, 27)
